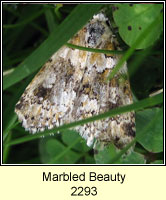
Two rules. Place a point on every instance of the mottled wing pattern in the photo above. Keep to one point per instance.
(71, 86)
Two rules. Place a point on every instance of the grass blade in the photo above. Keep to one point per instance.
(148, 102)
(93, 49)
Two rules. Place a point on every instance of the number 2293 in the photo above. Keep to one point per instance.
(81, 191)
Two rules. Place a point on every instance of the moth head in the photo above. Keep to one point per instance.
(97, 31)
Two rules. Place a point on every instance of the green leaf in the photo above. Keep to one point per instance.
(133, 158)
(157, 162)
(68, 136)
(89, 160)
(57, 38)
(137, 42)
(52, 151)
(104, 156)
(133, 19)
(152, 140)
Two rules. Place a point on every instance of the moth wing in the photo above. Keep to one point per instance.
(50, 96)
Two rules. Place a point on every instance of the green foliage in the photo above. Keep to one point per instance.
(69, 136)
(153, 138)
(71, 149)
(32, 33)
(52, 151)
(141, 38)
(133, 19)
(103, 156)
(157, 162)
(134, 158)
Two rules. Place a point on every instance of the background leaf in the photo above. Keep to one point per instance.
(68, 136)
(153, 138)
(133, 158)
(132, 19)
(103, 156)
(52, 151)
(158, 162)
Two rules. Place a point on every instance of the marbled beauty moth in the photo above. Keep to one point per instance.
(71, 86)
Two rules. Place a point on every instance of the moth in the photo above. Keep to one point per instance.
(71, 86)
